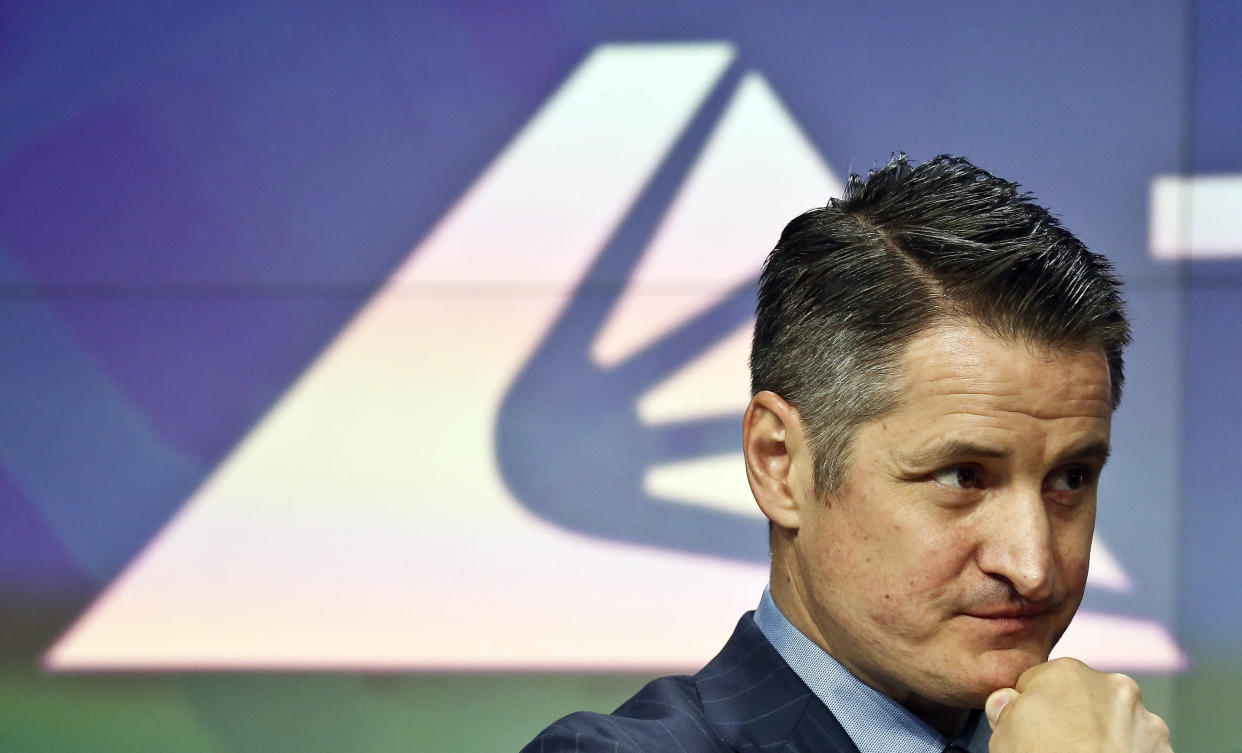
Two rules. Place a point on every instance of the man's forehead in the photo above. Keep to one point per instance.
(963, 355)
(961, 375)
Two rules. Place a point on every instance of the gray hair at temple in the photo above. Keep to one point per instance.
(849, 285)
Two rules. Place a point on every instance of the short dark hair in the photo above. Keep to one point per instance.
(849, 285)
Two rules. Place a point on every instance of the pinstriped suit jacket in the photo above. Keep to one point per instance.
(747, 699)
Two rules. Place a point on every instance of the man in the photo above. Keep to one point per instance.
(934, 369)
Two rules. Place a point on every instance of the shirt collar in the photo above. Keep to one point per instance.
(875, 722)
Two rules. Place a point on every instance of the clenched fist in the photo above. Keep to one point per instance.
(1068, 707)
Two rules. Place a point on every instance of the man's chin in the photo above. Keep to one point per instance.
(1001, 669)
(989, 672)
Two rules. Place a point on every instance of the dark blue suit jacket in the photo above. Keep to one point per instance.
(745, 699)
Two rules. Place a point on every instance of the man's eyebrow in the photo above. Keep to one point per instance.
(1098, 451)
(955, 449)
(950, 449)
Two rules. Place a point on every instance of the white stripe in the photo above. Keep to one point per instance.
(1196, 217)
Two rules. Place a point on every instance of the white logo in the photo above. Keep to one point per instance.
(367, 522)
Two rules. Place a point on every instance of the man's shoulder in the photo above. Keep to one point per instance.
(667, 714)
(746, 698)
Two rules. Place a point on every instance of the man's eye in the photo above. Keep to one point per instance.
(958, 476)
(1069, 479)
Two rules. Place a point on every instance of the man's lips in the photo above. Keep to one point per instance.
(1012, 619)
(1009, 611)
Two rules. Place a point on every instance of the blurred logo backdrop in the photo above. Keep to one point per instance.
(367, 363)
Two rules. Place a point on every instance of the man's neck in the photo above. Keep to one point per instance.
(947, 720)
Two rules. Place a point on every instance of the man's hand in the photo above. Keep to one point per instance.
(1068, 707)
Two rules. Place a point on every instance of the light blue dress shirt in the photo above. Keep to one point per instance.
(875, 722)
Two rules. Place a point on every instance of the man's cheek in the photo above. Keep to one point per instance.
(1074, 566)
(885, 612)
(903, 606)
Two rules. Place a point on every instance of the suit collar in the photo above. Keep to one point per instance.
(755, 701)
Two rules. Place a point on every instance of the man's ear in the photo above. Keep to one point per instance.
(778, 459)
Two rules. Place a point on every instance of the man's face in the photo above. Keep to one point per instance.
(955, 554)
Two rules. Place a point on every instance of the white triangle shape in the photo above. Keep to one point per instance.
(363, 524)
(757, 171)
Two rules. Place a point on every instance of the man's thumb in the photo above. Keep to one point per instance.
(996, 704)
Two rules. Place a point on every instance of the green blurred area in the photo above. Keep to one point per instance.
(292, 712)
(1208, 702)
(487, 713)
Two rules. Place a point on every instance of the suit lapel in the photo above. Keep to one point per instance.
(755, 702)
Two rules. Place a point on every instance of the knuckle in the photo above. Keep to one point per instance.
(1126, 687)
(1060, 670)
(1062, 667)
(1067, 662)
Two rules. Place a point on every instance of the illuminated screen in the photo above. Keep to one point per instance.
(390, 361)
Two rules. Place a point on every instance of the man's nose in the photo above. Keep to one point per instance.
(1018, 544)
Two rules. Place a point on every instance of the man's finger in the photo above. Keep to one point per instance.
(997, 702)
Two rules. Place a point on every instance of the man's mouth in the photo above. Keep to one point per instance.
(1009, 611)
(1009, 618)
